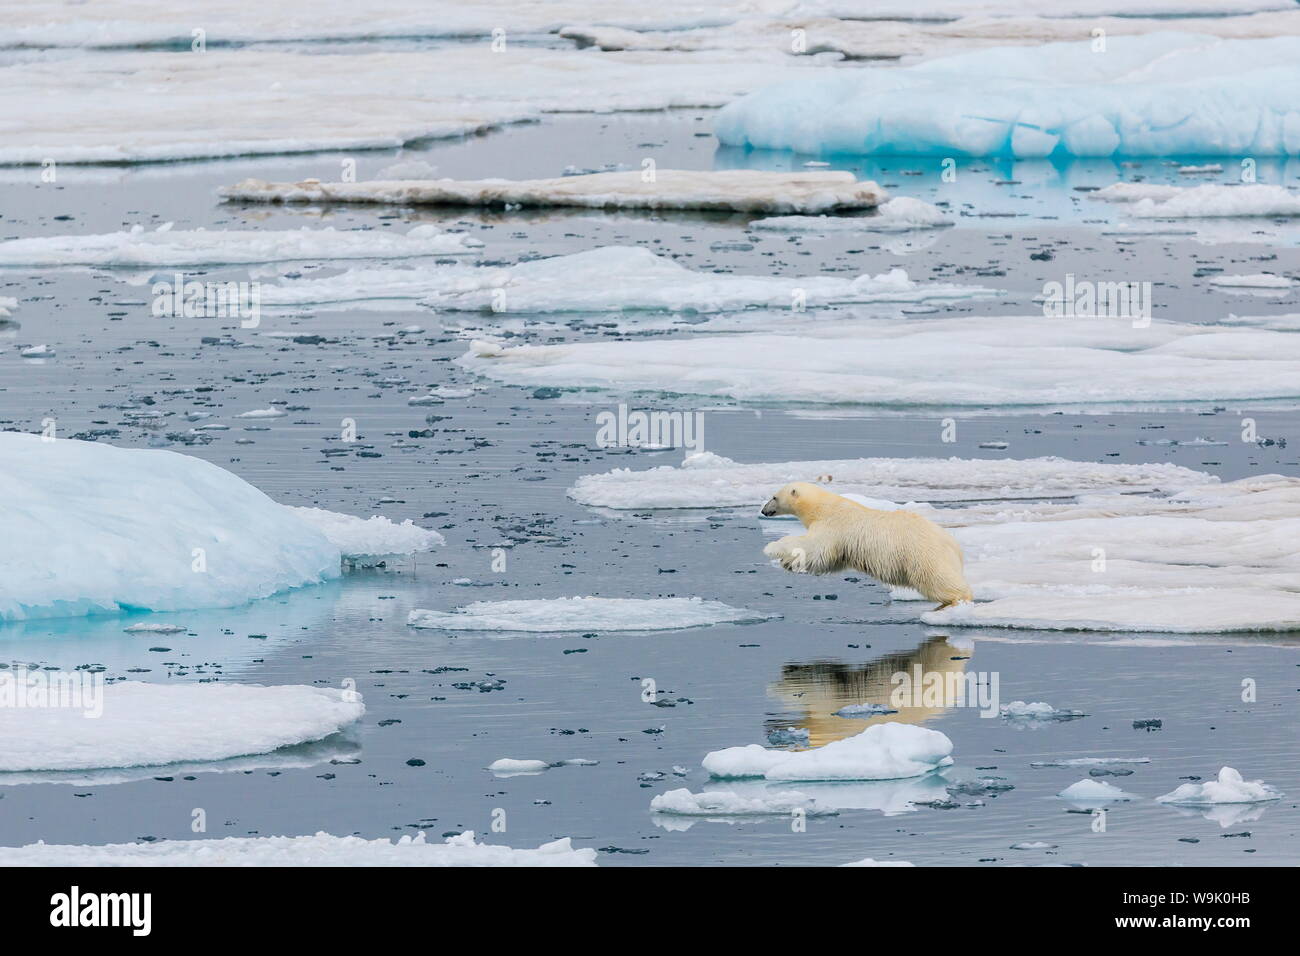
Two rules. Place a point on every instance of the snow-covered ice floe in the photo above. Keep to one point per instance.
(322, 849)
(900, 214)
(881, 752)
(153, 106)
(1209, 201)
(133, 724)
(1090, 794)
(868, 861)
(727, 803)
(165, 246)
(987, 360)
(1018, 711)
(708, 480)
(732, 190)
(95, 529)
(1156, 95)
(1228, 788)
(586, 614)
(581, 283)
(1206, 558)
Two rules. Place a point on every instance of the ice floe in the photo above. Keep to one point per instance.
(987, 360)
(508, 766)
(1210, 201)
(139, 724)
(1156, 95)
(173, 247)
(1091, 794)
(1037, 712)
(727, 803)
(586, 614)
(900, 214)
(732, 190)
(322, 849)
(1228, 788)
(153, 106)
(881, 752)
(708, 480)
(1254, 280)
(95, 529)
(581, 283)
(1210, 558)
(868, 861)
(369, 542)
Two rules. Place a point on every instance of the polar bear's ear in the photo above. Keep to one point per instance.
(823, 479)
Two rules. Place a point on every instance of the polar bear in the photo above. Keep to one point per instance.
(900, 548)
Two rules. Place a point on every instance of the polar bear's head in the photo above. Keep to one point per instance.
(793, 499)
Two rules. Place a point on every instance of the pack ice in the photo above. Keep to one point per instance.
(580, 283)
(95, 529)
(586, 614)
(323, 849)
(155, 724)
(165, 246)
(1208, 201)
(732, 190)
(154, 106)
(881, 752)
(1002, 361)
(1162, 94)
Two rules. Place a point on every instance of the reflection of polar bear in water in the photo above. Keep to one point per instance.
(900, 548)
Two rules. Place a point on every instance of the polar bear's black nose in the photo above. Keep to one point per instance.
(769, 509)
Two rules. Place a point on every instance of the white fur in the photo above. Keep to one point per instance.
(900, 548)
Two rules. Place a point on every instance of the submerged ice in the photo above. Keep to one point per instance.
(585, 614)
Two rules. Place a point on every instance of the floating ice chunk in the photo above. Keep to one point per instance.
(277, 101)
(37, 351)
(319, 850)
(868, 861)
(508, 766)
(708, 480)
(858, 711)
(1228, 788)
(1004, 361)
(94, 529)
(897, 215)
(369, 542)
(1018, 710)
(733, 190)
(1258, 280)
(1091, 793)
(1088, 761)
(881, 752)
(1157, 95)
(1033, 845)
(231, 247)
(1209, 201)
(154, 724)
(579, 283)
(586, 614)
(726, 803)
(147, 628)
(263, 413)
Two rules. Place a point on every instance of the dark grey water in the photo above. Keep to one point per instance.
(494, 475)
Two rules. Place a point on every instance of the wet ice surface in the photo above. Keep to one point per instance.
(442, 707)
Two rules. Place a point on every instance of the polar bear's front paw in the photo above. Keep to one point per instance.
(790, 556)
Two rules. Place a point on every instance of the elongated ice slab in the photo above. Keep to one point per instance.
(1209, 201)
(1228, 788)
(706, 480)
(586, 614)
(900, 214)
(142, 724)
(726, 803)
(322, 849)
(733, 190)
(367, 542)
(580, 283)
(1162, 94)
(881, 752)
(176, 247)
(1000, 361)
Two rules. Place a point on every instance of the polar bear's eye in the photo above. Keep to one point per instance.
(793, 493)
